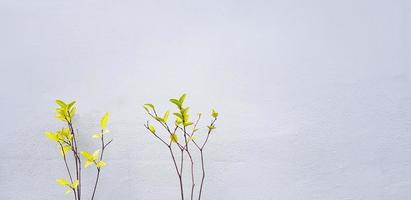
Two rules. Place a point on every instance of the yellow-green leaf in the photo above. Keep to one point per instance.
(176, 102)
(97, 135)
(145, 108)
(70, 105)
(63, 182)
(149, 105)
(87, 155)
(188, 123)
(182, 98)
(178, 121)
(159, 119)
(88, 163)
(166, 114)
(211, 127)
(100, 164)
(72, 112)
(214, 113)
(75, 184)
(152, 129)
(61, 103)
(65, 149)
(96, 154)
(174, 138)
(103, 123)
(52, 136)
(178, 115)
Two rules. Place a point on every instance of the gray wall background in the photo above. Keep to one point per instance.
(314, 96)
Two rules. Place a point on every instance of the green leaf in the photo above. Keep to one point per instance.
(87, 155)
(159, 119)
(152, 129)
(52, 136)
(100, 164)
(188, 123)
(185, 110)
(63, 182)
(88, 163)
(75, 184)
(95, 154)
(211, 127)
(178, 121)
(65, 150)
(103, 123)
(70, 105)
(145, 108)
(174, 138)
(165, 117)
(178, 115)
(149, 105)
(72, 112)
(176, 102)
(182, 98)
(214, 113)
(61, 103)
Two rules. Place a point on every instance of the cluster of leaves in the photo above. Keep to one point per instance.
(67, 142)
(183, 127)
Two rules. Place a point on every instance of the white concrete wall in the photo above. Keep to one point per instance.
(314, 96)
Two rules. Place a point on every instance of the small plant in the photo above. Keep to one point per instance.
(186, 129)
(67, 142)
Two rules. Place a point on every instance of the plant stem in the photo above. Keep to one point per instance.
(65, 162)
(103, 147)
(192, 175)
(76, 157)
(192, 163)
(203, 177)
(95, 184)
(179, 174)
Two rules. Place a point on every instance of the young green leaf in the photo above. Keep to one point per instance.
(70, 105)
(96, 154)
(103, 123)
(72, 112)
(178, 121)
(188, 123)
(152, 129)
(214, 113)
(165, 117)
(87, 155)
(211, 127)
(178, 115)
(149, 105)
(61, 103)
(182, 98)
(100, 164)
(52, 136)
(176, 102)
(63, 182)
(159, 119)
(75, 184)
(174, 138)
(65, 150)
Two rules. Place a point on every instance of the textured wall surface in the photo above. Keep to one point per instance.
(314, 96)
